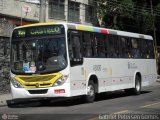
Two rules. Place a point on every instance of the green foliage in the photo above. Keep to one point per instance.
(129, 15)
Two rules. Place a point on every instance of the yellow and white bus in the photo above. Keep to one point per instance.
(64, 59)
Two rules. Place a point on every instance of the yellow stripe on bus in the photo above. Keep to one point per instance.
(37, 24)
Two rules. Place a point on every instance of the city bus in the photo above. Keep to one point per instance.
(62, 60)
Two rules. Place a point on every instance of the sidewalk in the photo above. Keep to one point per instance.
(4, 98)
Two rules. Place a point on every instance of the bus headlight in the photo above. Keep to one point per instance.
(59, 82)
(16, 84)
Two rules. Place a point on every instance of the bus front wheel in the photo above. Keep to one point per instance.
(90, 92)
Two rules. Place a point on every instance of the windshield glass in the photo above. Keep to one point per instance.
(44, 54)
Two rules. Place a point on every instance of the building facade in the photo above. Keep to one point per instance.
(20, 12)
(12, 13)
(76, 11)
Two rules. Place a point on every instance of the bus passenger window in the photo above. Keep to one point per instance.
(135, 49)
(123, 50)
(76, 47)
(113, 48)
(125, 47)
(146, 49)
(128, 48)
(87, 44)
(100, 43)
(151, 50)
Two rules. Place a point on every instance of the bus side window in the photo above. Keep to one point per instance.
(106, 45)
(116, 47)
(135, 48)
(128, 48)
(110, 48)
(151, 49)
(140, 44)
(113, 46)
(75, 48)
(125, 47)
(145, 49)
(87, 44)
(101, 50)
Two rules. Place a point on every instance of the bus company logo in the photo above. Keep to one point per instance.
(4, 117)
(132, 65)
(37, 85)
(97, 68)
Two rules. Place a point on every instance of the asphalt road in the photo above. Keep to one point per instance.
(113, 105)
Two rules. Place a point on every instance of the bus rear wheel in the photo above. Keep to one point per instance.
(137, 89)
(91, 92)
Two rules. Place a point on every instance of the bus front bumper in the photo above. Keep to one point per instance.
(58, 91)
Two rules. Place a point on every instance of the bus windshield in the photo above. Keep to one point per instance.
(42, 51)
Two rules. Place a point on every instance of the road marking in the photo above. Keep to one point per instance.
(119, 112)
(149, 105)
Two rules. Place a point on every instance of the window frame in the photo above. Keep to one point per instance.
(89, 13)
(71, 34)
(59, 11)
(73, 11)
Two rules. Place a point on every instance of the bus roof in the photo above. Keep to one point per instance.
(93, 29)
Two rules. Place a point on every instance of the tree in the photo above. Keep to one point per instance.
(109, 11)
(129, 15)
(157, 20)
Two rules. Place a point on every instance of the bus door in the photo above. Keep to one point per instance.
(75, 54)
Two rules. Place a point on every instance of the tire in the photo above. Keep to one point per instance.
(91, 92)
(137, 89)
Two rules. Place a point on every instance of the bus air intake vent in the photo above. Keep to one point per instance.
(44, 91)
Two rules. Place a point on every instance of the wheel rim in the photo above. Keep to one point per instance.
(90, 91)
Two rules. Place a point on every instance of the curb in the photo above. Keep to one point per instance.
(3, 103)
(4, 99)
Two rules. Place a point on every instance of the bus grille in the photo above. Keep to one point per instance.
(37, 78)
(38, 91)
(34, 85)
(38, 81)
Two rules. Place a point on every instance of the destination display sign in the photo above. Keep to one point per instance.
(38, 31)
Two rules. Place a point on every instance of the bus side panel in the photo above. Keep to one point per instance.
(112, 74)
(77, 80)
